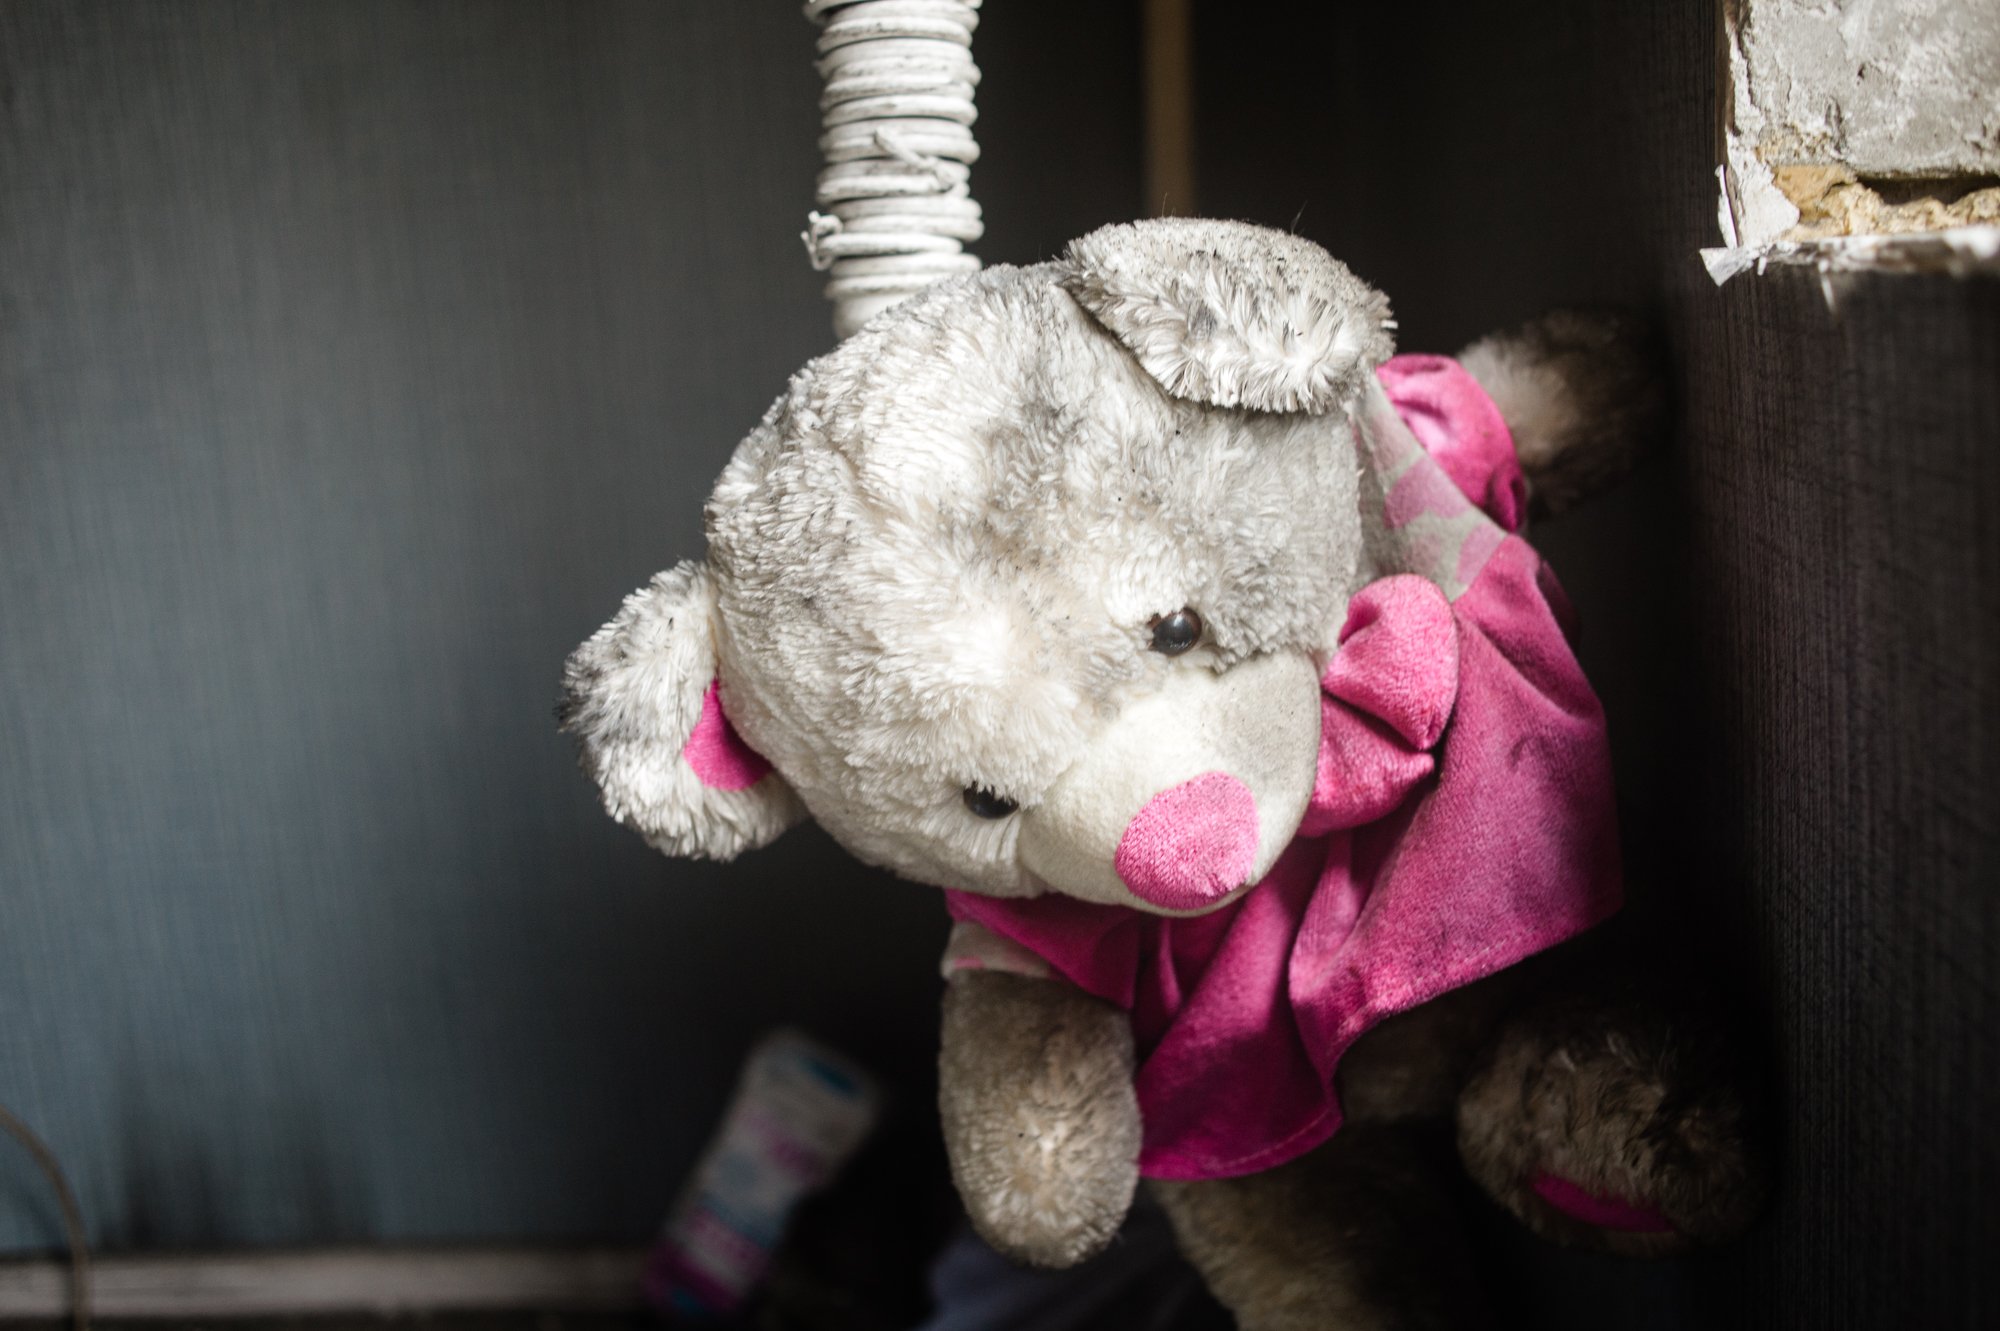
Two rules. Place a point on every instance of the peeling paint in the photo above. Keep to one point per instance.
(1961, 252)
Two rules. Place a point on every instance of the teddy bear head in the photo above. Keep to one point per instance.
(1025, 587)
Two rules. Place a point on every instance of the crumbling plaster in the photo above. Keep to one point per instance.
(1897, 88)
(1827, 97)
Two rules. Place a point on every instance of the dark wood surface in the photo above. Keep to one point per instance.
(1793, 615)
(1843, 471)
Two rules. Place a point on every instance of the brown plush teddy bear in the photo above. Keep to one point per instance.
(1144, 602)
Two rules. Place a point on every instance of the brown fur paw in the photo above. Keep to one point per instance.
(1612, 1126)
(1583, 392)
(1040, 1119)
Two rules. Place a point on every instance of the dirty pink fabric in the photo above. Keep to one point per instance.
(1462, 430)
(1592, 1208)
(718, 755)
(1462, 821)
(1192, 844)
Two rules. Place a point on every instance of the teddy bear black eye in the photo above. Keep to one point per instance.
(1175, 633)
(985, 804)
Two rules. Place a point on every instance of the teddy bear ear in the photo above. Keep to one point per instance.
(644, 702)
(1232, 314)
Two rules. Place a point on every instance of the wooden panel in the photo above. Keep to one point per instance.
(1793, 615)
(379, 1283)
(1844, 478)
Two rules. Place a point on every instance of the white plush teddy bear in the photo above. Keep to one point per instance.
(1140, 600)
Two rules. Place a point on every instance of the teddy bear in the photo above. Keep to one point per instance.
(1147, 604)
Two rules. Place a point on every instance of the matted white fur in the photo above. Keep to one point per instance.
(1232, 315)
(935, 563)
(1258, 722)
(1539, 405)
(633, 694)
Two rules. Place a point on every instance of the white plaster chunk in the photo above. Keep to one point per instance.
(1960, 252)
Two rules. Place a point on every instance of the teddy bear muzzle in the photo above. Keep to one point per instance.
(1192, 845)
(1188, 795)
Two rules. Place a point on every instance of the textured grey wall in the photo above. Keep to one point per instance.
(354, 360)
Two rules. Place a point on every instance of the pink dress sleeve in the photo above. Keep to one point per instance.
(1459, 425)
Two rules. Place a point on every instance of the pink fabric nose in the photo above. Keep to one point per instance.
(1191, 845)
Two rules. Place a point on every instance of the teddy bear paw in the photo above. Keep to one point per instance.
(1584, 394)
(1040, 1119)
(1613, 1126)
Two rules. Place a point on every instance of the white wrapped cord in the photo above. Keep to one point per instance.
(894, 206)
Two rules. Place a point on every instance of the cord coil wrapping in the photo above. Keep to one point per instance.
(894, 205)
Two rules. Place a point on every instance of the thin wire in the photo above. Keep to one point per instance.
(72, 1215)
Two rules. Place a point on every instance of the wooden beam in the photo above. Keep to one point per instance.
(334, 1280)
(1168, 37)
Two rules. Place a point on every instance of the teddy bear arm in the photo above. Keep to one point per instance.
(1583, 393)
(1040, 1118)
(1624, 1123)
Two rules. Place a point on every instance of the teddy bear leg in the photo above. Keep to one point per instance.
(1040, 1118)
(1413, 1064)
(1583, 393)
(1359, 1234)
(1617, 1124)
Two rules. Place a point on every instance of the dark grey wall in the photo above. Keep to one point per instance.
(354, 360)
(1793, 615)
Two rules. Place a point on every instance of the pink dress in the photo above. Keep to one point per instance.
(1462, 820)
